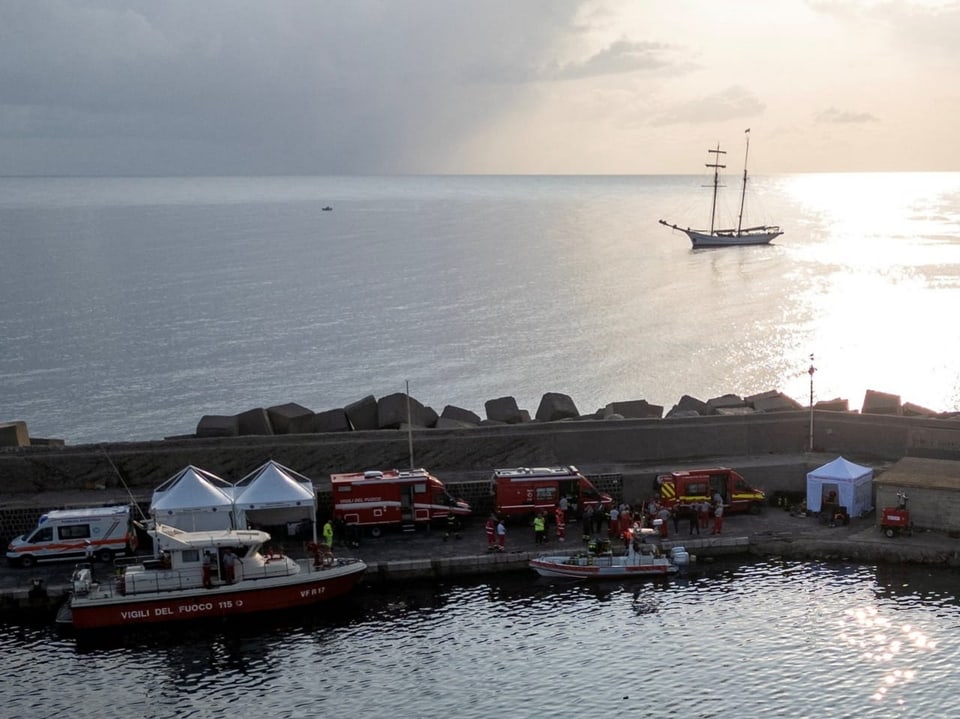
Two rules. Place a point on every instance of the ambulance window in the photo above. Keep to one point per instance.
(590, 493)
(697, 489)
(75, 531)
(741, 486)
(419, 488)
(44, 534)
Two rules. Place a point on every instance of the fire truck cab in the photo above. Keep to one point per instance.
(681, 490)
(526, 490)
(67, 533)
(403, 498)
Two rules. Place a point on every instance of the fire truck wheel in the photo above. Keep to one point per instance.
(105, 555)
(890, 532)
(26, 561)
(375, 532)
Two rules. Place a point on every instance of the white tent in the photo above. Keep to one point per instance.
(851, 483)
(273, 494)
(194, 500)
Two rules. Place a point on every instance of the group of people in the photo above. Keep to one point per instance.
(620, 521)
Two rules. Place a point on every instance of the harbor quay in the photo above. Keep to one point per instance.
(396, 558)
(621, 457)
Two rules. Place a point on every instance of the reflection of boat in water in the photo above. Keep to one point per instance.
(641, 560)
(206, 574)
(740, 235)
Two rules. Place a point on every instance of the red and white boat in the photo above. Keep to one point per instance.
(190, 579)
(640, 560)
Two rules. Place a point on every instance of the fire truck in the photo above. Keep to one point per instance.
(404, 498)
(680, 490)
(526, 490)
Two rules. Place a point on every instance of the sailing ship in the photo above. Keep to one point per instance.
(740, 235)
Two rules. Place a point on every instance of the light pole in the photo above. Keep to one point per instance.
(811, 371)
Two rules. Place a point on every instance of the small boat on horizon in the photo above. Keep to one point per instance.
(326, 209)
(740, 235)
(204, 575)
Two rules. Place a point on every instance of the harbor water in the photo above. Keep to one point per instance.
(131, 307)
(762, 638)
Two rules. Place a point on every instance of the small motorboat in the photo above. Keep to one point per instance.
(327, 208)
(641, 559)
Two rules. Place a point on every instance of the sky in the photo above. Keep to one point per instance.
(384, 87)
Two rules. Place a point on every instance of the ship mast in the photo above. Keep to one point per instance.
(716, 182)
(743, 191)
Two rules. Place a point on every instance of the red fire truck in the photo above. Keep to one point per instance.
(683, 489)
(405, 498)
(525, 490)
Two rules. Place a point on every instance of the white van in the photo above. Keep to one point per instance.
(65, 533)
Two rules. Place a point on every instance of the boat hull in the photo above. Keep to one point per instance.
(728, 238)
(706, 239)
(577, 568)
(247, 597)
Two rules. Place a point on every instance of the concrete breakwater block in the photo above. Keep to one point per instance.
(881, 403)
(503, 409)
(362, 413)
(254, 421)
(394, 410)
(281, 416)
(218, 425)
(633, 409)
(555, 406)
(460, 415)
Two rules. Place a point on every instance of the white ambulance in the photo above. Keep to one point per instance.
(67, 533)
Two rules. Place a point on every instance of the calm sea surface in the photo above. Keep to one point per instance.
(765, 639)
(129, 308)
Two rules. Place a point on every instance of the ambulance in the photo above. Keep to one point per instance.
(403, 498)
(681, 490)
(65, 534)
(526, 490)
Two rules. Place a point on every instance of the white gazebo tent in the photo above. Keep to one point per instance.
(194, 500)
(273, 494)
(851, 483)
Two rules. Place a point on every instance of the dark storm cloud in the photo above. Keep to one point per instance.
(232, 86)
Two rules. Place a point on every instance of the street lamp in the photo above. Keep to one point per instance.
(811, 371)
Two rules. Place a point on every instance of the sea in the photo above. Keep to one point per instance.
(132, 307)
(764, 638)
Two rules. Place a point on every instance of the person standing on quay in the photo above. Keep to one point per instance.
(718, 519)
(561, 517)
(703, 509)
(328, 533)
(614, 526)
(695, 519)
(540, 528)
(491, 529)
(501, 536)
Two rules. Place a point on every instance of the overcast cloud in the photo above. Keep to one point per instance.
(409, 86)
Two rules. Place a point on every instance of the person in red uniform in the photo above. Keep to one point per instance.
(491, 529)
(561, 517)
(718, 519)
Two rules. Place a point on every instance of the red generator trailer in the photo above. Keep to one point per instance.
(896, 520)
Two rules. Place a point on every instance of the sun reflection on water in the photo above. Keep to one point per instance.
(876, 638)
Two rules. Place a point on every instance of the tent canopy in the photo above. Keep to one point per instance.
(851, 483)
(273, 494)
(194, 499)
